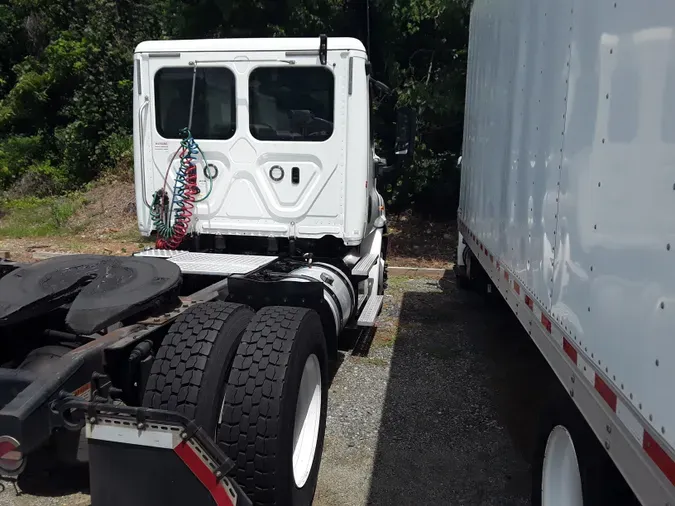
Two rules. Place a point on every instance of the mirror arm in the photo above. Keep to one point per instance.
(379, 85)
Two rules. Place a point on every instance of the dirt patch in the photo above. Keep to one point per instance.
(109, 209)
(104, 224)
(416, 242)
(27, 249)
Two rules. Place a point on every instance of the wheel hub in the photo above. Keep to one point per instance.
(561, 479)
(307, 420)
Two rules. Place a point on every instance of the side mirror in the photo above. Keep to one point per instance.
(406, 129)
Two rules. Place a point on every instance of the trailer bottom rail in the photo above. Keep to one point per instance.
(146, 457)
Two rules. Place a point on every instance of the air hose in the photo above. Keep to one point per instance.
(170, 235)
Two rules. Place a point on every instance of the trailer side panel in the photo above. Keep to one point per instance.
(568, 190)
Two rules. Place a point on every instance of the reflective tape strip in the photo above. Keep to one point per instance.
(545, 322)
(630, 421)
(605, 392)
(570, 350)
(529, 302)
(586, 369)
(659, 456)
(204, 474)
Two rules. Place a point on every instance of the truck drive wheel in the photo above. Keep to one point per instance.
(191, 367)
(571, 468)
(274, 413)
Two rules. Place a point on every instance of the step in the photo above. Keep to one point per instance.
(362, 268)
(220, 264)
(370, 312)
(361, 301)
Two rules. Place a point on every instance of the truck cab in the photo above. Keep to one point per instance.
(283, 126)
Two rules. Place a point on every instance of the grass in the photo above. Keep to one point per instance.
(377, 361)
(39, 217)
(385, 336)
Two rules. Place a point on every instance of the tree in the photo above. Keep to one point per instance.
(66, 75)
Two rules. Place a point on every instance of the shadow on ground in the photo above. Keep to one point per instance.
(45, 477)
(459, 410)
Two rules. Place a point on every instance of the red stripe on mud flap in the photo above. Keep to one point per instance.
(659, 456)
(529, 302)
(546, 322)
(570, 350)
(203, 474)
(506, 275)
(605, 392)
(516, 287)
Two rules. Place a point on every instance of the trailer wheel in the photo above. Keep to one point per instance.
(463, 274)
(191, 366)
(571, 468)
(274, 414)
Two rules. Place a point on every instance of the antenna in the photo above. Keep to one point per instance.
(368, 27)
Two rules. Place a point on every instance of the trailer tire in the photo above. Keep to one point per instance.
(192, 364)
(563, 437)
(463, 273)
(282, 351)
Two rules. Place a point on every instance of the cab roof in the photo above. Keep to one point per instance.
(246, 45)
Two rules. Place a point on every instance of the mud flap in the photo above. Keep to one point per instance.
(147, 457)
(152, 467)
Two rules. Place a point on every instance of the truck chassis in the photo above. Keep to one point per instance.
(149, 374)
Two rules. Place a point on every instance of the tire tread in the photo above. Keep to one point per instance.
(254, 393)
(182, 358)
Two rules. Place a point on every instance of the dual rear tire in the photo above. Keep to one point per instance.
(258, 383)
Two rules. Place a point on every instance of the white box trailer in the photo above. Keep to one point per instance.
(568, 204)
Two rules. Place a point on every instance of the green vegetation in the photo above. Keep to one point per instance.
(33, 217)
(66, 84)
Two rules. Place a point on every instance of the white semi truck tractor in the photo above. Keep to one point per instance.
(567, 209)
(197, 372)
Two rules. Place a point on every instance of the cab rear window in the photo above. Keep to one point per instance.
(214, 111)
(291, 103)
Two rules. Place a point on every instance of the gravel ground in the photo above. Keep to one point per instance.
(440, 410)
